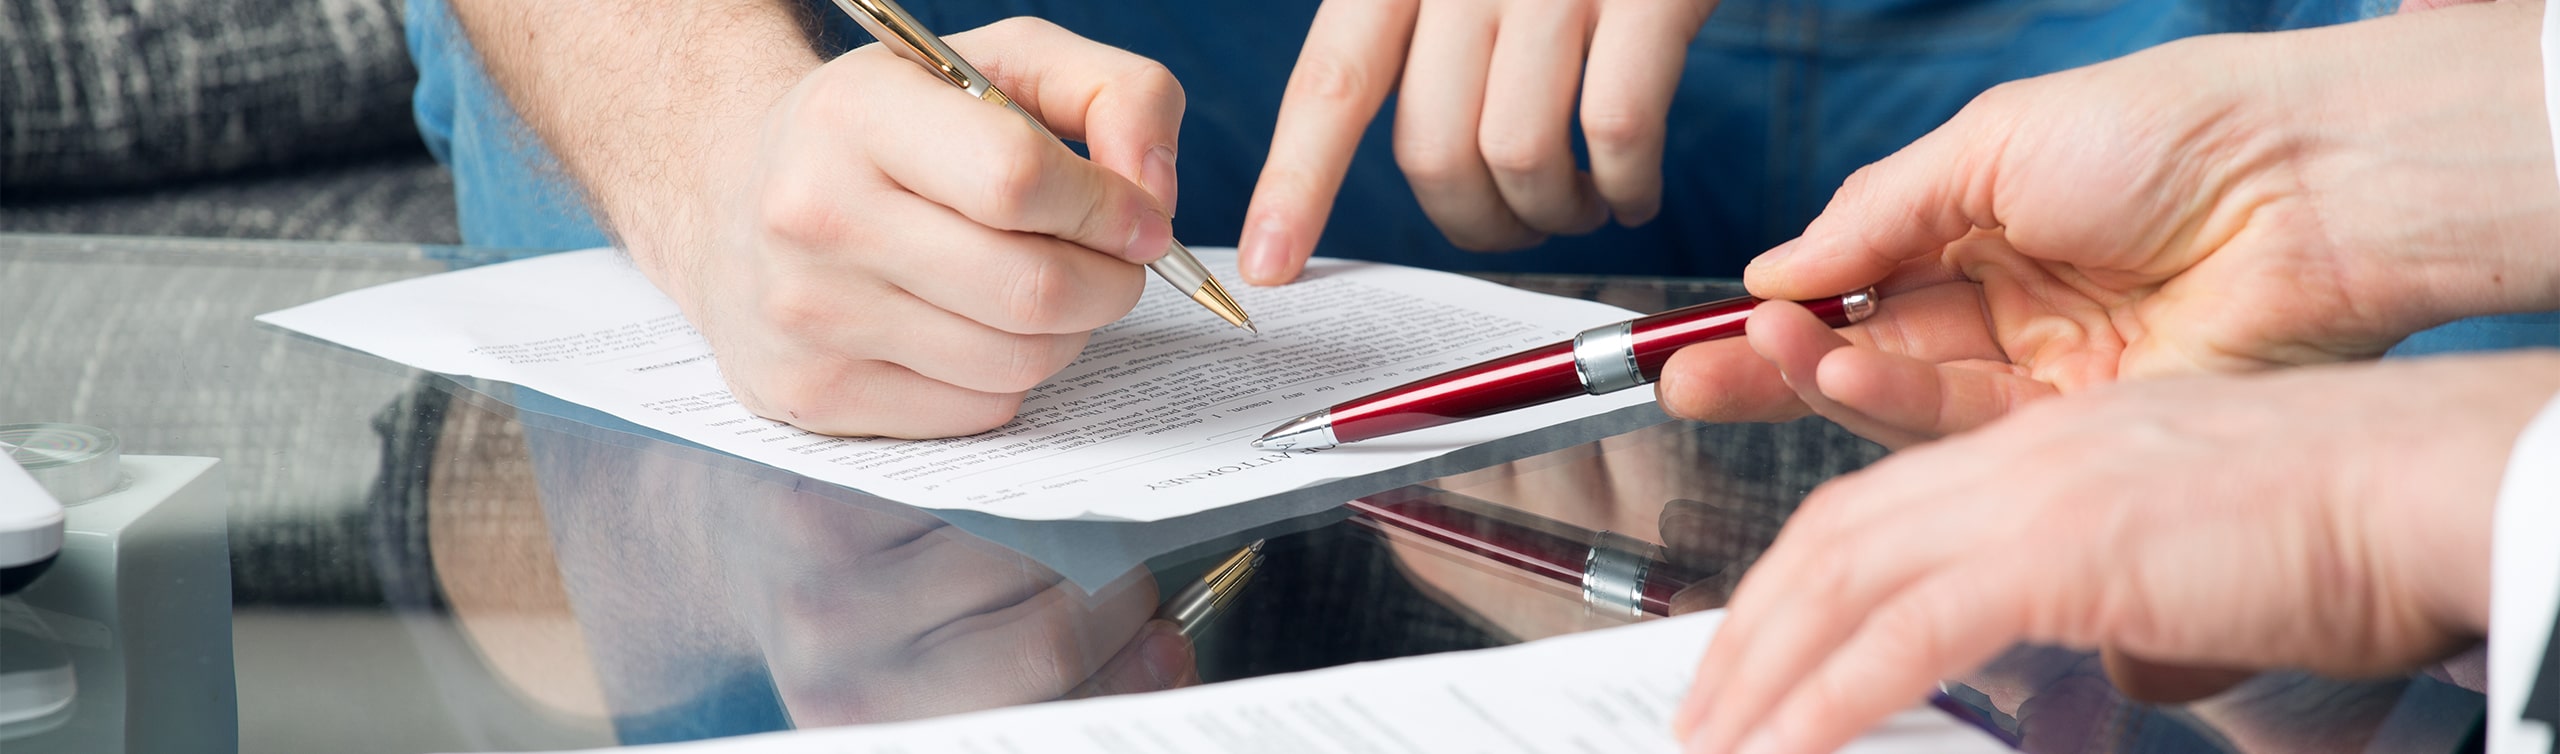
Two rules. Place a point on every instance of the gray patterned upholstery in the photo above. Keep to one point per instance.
(214, 118)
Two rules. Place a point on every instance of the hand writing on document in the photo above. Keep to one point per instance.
(869, 250)
(2213, 205)
(2194, 527)
(1484, 113)
(886, 255)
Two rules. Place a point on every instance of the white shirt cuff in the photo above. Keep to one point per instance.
(2524, 578)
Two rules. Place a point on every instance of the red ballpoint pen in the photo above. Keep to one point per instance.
(1603, 359)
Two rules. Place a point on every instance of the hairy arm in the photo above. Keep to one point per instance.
(638, 99)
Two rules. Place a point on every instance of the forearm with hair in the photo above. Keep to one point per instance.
(636, 98)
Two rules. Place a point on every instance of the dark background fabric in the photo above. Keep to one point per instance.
(214, 118)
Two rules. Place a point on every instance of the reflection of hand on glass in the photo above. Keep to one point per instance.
(868, 611)
(1717, 539)
(688, 572)
(2066, 701)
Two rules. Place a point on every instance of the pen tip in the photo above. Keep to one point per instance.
(1214, 296)
(1310, 432)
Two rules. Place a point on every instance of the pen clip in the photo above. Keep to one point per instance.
(903, 34)
(906, 36)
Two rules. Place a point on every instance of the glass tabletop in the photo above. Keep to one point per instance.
(378, 559)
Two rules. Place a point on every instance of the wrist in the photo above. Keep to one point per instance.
(2437, 179)
(2439, 498)
(640, 105)
(657, 191)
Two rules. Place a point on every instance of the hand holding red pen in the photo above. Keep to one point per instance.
(2215, 205)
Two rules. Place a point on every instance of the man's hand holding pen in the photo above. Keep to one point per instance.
(876, 253)
(2093, 225)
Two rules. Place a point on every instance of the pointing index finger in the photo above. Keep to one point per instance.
(1354, 52)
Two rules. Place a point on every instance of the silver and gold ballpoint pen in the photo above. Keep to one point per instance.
(902, 33)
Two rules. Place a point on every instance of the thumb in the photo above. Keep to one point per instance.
(1906, 206)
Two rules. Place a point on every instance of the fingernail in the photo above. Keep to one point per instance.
(1158, 178)
(1760, 742)
(1266, 253)
(1149, 237)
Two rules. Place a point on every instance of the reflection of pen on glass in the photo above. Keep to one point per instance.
(1619, 576)
(1204, 598)
(904, 35)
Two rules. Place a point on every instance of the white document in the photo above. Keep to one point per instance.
(1152, 422)
(1601, 691)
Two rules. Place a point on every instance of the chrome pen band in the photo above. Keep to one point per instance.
(1185, 277)
(1613, 576)
(1604, 358)
(1857, 307)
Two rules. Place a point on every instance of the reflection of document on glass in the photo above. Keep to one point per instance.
(1610, 690)
(1152, 422)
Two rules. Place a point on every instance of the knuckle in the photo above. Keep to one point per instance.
(1152, 82)
(799, 214)
(1025, 361)
(2004, 97)
(1910, 636)
(1829, 694)
(1024, 26)
(1518, 153)
(1431, 161)
(1329, 79)
(1824, 576)
(1048, 657)
(1040, 296)
(836, 96)
(796, 310)
(1616, 127)
(1013, 186)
